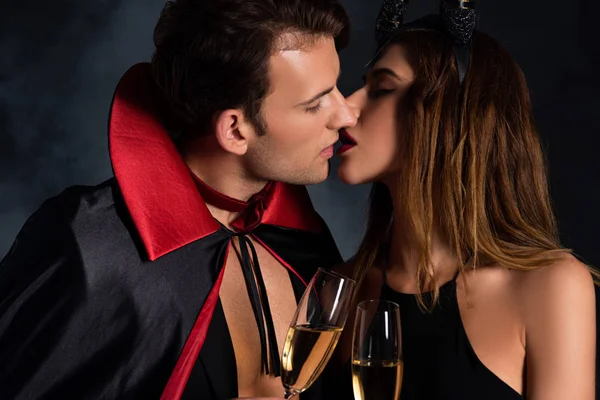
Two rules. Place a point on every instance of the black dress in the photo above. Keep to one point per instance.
(439, 362)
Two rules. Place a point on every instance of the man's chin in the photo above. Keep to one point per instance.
(317, 176)
(324, 175)
(314, 181)
(302, 176)
(314, 177)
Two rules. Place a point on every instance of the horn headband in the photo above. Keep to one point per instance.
(457, 18)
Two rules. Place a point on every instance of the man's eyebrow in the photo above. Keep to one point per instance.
(317, 96)
(321, 94)
(374, 73)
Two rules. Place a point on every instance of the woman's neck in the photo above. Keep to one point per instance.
(404, 254)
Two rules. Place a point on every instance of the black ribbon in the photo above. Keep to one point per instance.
(250, 216)
(257, 293)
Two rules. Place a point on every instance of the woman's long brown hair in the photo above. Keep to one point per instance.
(472, 166)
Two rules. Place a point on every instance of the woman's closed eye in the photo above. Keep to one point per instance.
(378, 92)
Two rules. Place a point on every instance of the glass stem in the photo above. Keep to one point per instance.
(288, 394)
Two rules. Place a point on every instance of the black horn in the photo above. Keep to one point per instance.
(391, 16)
(459, 17)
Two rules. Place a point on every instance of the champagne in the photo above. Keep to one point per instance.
(306, 351)
(376, 380)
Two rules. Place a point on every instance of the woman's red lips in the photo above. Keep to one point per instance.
(345, 137)
(347, 141)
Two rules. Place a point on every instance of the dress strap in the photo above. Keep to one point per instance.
(456, 275)
(384, 283)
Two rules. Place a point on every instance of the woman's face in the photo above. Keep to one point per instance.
(369, 149)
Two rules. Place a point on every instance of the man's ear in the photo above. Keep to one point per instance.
(232, 131)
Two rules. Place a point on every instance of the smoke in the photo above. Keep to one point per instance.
(61, 61)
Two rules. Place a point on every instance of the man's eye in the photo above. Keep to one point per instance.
(373, 94)
(315, 109)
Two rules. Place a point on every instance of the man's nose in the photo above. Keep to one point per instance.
(354, 103)
(346, 115)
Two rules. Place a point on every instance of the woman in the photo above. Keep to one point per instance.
(461, 233)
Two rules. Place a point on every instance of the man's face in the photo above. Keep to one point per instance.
(302, 114)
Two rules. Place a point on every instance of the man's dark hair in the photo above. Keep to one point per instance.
(213, 55)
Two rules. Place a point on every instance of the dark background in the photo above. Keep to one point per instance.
(60, 61)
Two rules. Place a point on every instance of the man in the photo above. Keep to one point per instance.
(179, 277)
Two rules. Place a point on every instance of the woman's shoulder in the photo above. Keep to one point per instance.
(559, 314)
(562, 288)
(541, 300)
(526, 286)
(564, 275)
(537, 297)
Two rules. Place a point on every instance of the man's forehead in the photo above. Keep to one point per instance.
(318, 63)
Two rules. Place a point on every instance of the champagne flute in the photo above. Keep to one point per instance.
(315, 330)
(377, 365)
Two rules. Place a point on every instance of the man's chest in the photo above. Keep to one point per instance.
(242, 324)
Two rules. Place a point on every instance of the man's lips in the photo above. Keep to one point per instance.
(347, 141)
(327, 152)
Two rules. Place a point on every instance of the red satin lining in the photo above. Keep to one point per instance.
(187, 359)
(159, 191)
(289, 206)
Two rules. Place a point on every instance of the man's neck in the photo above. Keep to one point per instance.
(221, 171)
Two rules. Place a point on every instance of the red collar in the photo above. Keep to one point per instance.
(159, 191)
(250, 212)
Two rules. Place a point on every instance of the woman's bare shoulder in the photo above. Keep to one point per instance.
(562, 278)
(559, 312)
(530, 286)
(536, 294)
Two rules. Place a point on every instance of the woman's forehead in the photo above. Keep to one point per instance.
(395, 57)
